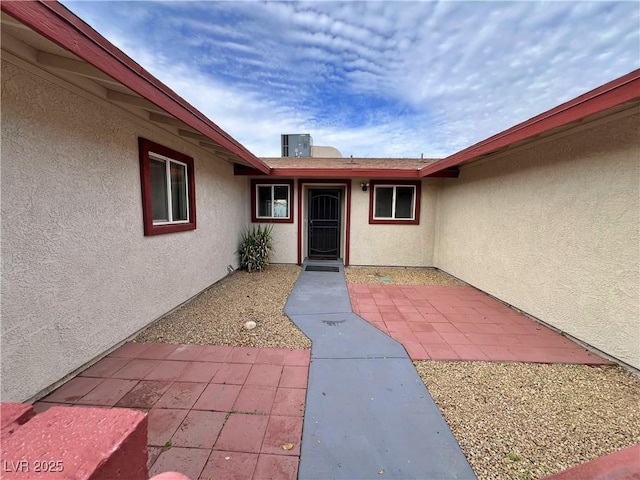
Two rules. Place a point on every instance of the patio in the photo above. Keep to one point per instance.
(213, 412)
(462, 323)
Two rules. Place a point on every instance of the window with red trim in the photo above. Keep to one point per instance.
(168, 189)
(272, 202)
(394, 202)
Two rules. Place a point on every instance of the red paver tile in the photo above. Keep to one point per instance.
(455, 338)
(157, 351)
(383, 301)
(232, 373)
(421, 326)
(383, 309)
(201, 372)
(367, 308)
(218, 397)
(167, 370)
(289, 402)
(276, 467)
(490, 328)
(440, 352)
(199, 429)
(266, 375)
(188, 461)
(466, 327)
(397, 326)
(73, 390)
(427, 310)
(416, 351)
(243, 433)
(217, 354)
(108, 393)
(413, 318)
(482, 339)
(421, 302)
(299, 357)
(294, 377)
(392, 317)
(498, 353)
(130, 350)
(408, 309)
(163, 423)
(372, 317)
(152, 455)
(429, 338)
(144, 395)
(244, 355)
(434, 317)
(230, 465)
(136, 369)
(272, 356)
(469, 352)
(404, 337)
(444, 327)
(402, 302)
(255, 399)
(181, 395)
(280, 431)
(105, 367)
(187, 353)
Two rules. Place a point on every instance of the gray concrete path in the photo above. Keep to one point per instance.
(368, 414)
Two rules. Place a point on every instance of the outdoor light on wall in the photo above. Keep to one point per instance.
(364, 186)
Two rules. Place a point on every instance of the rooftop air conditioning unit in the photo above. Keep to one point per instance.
(296, 145)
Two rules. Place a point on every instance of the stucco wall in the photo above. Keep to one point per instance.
(552, 228)
(78, 275)
(401, 245)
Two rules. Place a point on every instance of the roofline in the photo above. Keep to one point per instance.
(611, 94)
(55, 22)
(346, 172)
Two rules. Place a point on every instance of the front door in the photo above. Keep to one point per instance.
(324, 223)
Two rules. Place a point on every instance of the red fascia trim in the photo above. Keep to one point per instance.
(416, 219)
(330, 182)
(345, 172)
(55, 22)
(254, 217)
(614, 93)
(144, 146)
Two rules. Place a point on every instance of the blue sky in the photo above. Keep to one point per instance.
(373, 79)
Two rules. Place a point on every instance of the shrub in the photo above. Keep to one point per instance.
(254, 248)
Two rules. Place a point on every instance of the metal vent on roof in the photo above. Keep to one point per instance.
(296, 145)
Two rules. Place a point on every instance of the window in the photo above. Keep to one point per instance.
(271, 202)
(168, 189)
(394, 203)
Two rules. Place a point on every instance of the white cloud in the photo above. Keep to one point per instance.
(374, 78)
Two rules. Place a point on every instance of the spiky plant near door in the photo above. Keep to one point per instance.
(255, 247)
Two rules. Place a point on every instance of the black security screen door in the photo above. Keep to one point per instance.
(324, 223)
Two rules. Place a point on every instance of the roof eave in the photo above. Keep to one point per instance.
(59, 25)
(609, 95)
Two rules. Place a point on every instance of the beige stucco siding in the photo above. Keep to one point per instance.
(399, 245)
(552, 228)
(78, 275)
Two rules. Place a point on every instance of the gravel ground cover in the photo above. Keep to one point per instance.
(526, 421)
(400, 276)
(217, 316)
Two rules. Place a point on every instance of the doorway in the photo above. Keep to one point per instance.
(324, 223)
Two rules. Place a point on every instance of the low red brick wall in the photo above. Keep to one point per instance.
(73, 442)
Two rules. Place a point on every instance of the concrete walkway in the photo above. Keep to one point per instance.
(368, 414)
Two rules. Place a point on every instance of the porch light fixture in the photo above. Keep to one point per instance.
(364, 186)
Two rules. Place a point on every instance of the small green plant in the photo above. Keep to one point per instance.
(255, 246)
(167, 446)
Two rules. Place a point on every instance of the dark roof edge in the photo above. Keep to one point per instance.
(55, 22)
(611, 94)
